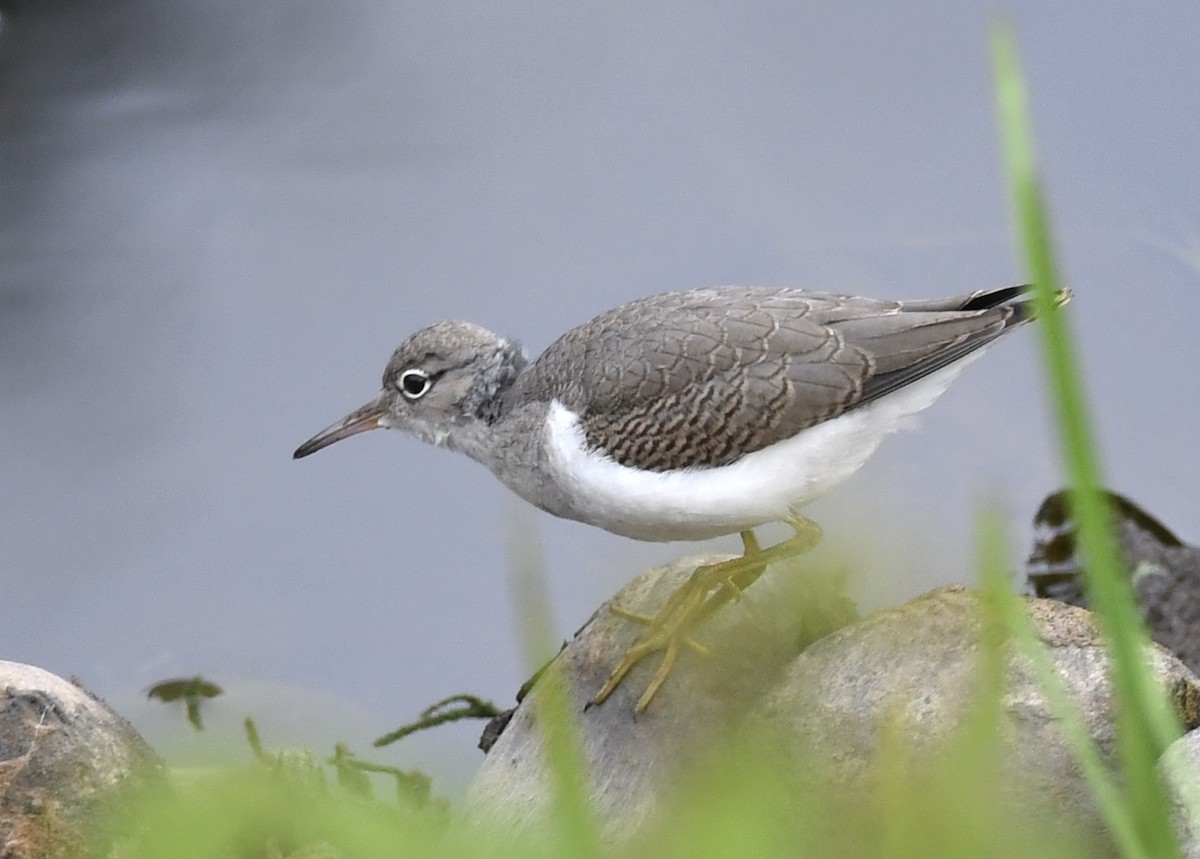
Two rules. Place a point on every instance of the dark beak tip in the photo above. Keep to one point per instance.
(305, 449)
(360, 420)
(310, 447)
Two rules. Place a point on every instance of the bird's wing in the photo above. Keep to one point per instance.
(700, 378)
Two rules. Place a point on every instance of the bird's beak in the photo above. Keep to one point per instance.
(360, 420)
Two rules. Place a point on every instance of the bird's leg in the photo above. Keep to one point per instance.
(707, 589)
(734, 587)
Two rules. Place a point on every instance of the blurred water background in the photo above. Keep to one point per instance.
(217, 219)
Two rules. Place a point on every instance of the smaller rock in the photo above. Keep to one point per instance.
(911, 671)
(1182, 762)
(1165, 570)
(67, 765)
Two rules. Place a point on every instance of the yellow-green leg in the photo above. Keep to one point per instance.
(706, 590)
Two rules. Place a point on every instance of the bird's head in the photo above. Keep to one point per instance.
(443, 377)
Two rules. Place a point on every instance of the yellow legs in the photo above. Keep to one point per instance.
(706, 590)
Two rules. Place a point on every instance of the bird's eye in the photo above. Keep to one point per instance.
(413, 384)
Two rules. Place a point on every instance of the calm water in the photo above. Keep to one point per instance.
(219, 218)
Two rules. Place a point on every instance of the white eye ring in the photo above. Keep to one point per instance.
(413, 384)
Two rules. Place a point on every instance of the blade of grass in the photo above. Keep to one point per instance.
(567, 771)
(1146, 724)
(965, 781)
(1007, 611)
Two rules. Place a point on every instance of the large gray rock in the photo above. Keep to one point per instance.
(67, 764)
(632, 759)
(829, 704)
(912, 670)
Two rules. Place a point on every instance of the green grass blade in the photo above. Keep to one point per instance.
(576, 830)
(1146, 724)
(1007, 611)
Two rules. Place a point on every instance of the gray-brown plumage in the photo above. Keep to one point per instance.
(704, 377)
(682, 384)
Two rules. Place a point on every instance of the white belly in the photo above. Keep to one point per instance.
(698, 503)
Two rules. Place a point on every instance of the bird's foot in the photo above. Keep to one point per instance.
(648, 620)
(707, 589)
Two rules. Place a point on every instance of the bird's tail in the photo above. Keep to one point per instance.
(1016, 297)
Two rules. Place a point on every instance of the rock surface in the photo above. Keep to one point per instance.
(913, 669)
(831, 701)
(1182, 761)
(66, 763)
(633, 758)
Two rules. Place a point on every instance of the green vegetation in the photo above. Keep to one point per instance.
(1146, 725)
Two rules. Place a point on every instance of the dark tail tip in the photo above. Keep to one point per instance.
(1023, 310)
(996, 297)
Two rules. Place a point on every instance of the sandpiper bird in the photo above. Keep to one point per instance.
(687, 415)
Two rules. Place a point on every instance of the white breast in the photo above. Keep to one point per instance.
(698, 503)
